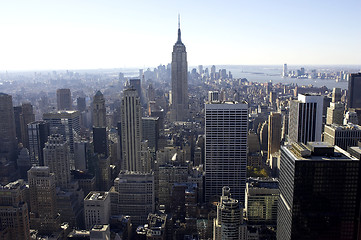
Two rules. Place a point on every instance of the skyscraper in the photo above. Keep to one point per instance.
(63, 99)
(44, 215)
(274, 133)
(305, 118)
(225, 148)
(99, 111)
(179, 108)
(131, 129)
(354, 94)
(66, 123)
(56, 157)
(319, 193)
(26, 116)
(228, 224)
(38, 133)
(285, 71)
(7, 127)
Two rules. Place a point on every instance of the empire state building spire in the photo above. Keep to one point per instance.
(179, 108)
(179, 31)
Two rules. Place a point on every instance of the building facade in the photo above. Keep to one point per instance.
(305, 119)
(226, 127)
(319, 193)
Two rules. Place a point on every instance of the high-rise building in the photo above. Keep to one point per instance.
(229, 221)
(99, 111)
(137, 85)
(335, 113)
(44, 215)
(226, 127)
(150, 132)
(66, 123)
(131, 129)
(7, 128)
(38, 133)
(63, 99)
(305, 119)
(274, 133)
(343, 136)
(14, 210)
(56, 157)
(135, 192)
(261, 201)
(336, 95)
(179, 108)
(26, 116)
(354, 94)
(319, 193)
(285, 71)
(100, 140)
(96, 209)
(80, 104)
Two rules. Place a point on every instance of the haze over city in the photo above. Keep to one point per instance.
(44, 35)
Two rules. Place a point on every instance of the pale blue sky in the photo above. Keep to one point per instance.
(74, 34)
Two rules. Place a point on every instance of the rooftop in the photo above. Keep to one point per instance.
(99, 196)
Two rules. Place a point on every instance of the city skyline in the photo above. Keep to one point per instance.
(95, 35)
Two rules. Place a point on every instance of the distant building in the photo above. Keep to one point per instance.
(150, 131)
(96, 209)
(336, 95)
(313, 180)
(63, 99)
(354, 94)
(285, 71)
(343, 136)
(26, 116)
(38, 133)
(80, 104)
(99, 111)
(274, 133)
(7, 128)
(66, 123)
(335, 113)
(305, 119)
(179, 108)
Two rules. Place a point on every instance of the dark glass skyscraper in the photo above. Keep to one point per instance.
(319, 193)
(179, 109)
(354, 94)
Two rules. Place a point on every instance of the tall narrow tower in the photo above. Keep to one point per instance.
(131, 128)
(179, 109)
(7, 127)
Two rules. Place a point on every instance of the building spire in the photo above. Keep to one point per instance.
(179, 31)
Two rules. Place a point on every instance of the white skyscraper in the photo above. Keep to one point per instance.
(285, 71)
(305, 121)
(225, 148)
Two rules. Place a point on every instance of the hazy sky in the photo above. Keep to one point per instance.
(74, 34)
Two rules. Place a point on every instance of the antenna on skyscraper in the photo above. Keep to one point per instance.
(178, 21)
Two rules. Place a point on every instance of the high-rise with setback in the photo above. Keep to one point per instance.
(225, 149)
(179, 108)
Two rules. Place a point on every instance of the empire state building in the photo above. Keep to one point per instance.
(179, 108)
